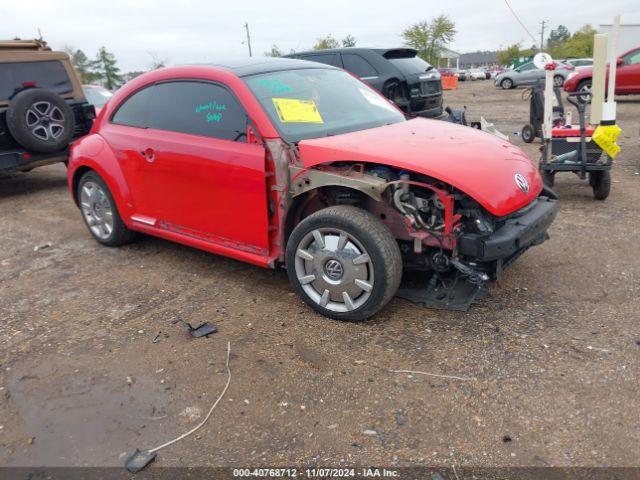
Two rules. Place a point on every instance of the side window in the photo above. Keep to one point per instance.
(358, 65)
(326, 58)
(197, 108)
(526, 67)
(134, 111)
(632, 58)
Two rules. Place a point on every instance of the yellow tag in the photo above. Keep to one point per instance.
(605, 136)
(292, 110)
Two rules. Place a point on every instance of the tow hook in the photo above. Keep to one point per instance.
(473, 275)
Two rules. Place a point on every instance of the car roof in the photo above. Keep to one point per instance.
(381, 51)
(243, 66)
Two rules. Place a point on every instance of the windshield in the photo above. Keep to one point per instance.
(410, 65)
(312, 103)
(97, 96)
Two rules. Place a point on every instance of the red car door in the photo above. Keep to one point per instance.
(191, 170)
(628, 73)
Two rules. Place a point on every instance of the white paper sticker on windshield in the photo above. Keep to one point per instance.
(377, 100)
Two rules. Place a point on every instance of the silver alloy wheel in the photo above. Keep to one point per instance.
(45, 120)
(97, 210)
(506, 84)
(334, 269)
(586, 90)
(558, 81)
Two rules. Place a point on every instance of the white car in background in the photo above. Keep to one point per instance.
(476, 74)
(580, 62)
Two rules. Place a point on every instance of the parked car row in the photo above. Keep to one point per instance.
(481, 73)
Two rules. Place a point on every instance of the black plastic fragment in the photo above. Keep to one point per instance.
(137, 460)
(203, 330)
(457, 295)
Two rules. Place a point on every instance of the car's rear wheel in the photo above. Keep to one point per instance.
(558, 81)
(40, 120)
(344, 263)
(528, 133)
(506, 83)
(100, 213)
(600, 183)
(584, 87)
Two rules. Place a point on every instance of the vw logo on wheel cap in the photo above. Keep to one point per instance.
(333, 269)
(521, 182)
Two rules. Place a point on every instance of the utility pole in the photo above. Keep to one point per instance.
(543, 23)
(246, 27)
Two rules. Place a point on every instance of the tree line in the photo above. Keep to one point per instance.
(560, 44)
(103, 68)
(427, 37)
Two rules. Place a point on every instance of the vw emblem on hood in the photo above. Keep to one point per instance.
(521, 182)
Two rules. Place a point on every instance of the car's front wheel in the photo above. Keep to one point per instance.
(99, 211)
(344, 262)
(558, 81)
(506, 84)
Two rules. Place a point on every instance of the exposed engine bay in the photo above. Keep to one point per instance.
(425, 215)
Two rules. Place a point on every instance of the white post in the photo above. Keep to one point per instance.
(548, 107)
(598, 78)
(609, 108)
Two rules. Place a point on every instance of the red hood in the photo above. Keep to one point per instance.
(476, 162)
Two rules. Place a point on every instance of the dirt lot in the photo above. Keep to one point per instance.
(94, 362)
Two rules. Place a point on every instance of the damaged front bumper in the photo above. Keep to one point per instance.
(518, 233)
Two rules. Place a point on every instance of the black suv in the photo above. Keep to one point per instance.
(42, 106)
(398, 73)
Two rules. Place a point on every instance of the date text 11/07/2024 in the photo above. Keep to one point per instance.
(315, 472)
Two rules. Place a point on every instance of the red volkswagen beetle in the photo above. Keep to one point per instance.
(288, 162)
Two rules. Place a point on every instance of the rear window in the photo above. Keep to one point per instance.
(50, 75)
(409, 65)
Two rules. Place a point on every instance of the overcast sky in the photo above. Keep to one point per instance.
(184, 31)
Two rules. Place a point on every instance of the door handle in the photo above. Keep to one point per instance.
(149, 154)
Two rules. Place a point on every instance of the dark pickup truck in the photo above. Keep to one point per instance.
(42, 106)
(398, 73)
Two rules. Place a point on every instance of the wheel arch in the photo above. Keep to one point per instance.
(319, 197)
(92, 154)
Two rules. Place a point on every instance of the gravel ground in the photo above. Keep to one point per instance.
(95, 361)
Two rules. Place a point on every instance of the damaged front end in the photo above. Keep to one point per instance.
(450, 244)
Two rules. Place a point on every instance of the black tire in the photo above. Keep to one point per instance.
(40, 120)
(600, 183)
(584, 85)
(506, 83)
(558, 81)
(120, 234)
(548, 178)
(377, 241)
(528, 133)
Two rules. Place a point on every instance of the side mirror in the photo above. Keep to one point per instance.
(619, 61)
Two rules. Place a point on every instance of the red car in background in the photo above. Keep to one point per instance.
(297, 163)
(627, 76)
